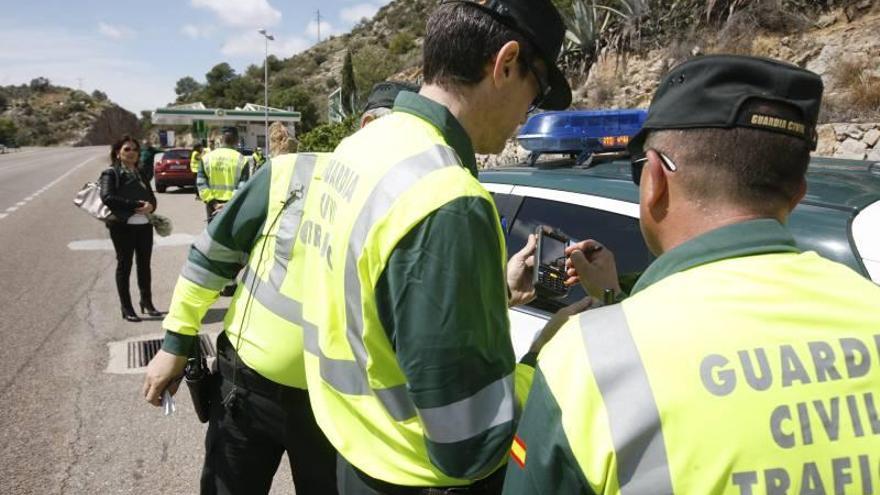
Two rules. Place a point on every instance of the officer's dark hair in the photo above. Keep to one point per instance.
(461, 39)
(230, 136)
(198, 147)
(743, 166)
(115, 147)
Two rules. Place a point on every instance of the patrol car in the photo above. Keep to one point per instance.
(839, 218)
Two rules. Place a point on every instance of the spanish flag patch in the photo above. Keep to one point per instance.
(518, 451)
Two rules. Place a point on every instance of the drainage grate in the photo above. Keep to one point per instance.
(140, 352)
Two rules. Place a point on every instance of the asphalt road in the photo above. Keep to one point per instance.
(68, 425)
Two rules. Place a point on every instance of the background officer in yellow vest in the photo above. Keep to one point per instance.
(261, 407)
(409, 360)
(739, 364)
(222, 171)
(195, 160)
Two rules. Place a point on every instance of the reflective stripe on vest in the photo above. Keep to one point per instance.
(633, 418)
(261, 306)
(358, 390)
(743, 375)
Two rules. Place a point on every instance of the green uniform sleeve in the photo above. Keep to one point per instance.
(443, 302)
(214, 260)
(542, 461)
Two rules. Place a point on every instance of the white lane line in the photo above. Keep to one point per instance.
(3, 215)
(48, 186)
(107, 245)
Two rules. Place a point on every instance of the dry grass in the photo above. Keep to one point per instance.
(865, 93)
(856, 94)
(848, 72)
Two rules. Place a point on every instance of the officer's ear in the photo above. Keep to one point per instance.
(505, 63)
(654, 185)
(799, 195)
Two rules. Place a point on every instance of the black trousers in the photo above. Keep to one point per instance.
(132, 241)
(251, 427)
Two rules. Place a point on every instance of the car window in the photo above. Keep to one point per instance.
(507, 206)
(176, 154)
(619, 233)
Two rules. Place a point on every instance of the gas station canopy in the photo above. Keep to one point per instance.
(249, 114)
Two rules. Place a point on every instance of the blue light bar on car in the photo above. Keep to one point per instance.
(581, 131)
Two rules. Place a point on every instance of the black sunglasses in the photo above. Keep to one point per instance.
(543, 89)
(638, 164)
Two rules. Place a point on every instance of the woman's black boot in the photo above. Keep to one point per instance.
(128, 314)
(148, 309)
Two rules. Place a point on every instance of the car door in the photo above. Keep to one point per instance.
(614, 223)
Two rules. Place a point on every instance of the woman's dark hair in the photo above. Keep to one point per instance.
(461, 39)
(114, 149)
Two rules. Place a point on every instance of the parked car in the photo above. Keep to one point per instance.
(839, 218)
(172, 169)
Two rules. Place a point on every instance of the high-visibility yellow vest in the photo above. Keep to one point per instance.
(195, 159)
(263, 320)
(222, 169)
(352, 221)
(758, 374)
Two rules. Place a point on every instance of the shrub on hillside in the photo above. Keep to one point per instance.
(8, 131)
(325, 137)
(401, 43)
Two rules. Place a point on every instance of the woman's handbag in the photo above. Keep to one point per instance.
(88, 199)
(161, 223)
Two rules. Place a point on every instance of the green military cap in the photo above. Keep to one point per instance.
(735, 91)
(383, 94)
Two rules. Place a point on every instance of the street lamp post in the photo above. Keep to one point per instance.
(268, 38)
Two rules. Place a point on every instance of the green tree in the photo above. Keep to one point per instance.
(243, 90)
(401, 43)
(326, 137)
(4, 102)
(186, 89)
(219, 79)
(8, 130)
(40, 84)
(99, 95)
(221, 73)
(349, 87)
(372, 64)
(301, 101)
(146, 121)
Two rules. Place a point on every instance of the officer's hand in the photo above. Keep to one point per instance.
(591, 264)
(519, 274)
(558, 319)
(164, 371)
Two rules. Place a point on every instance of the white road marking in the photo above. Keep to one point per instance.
(48, 186)
(3, 215)
(107, 245)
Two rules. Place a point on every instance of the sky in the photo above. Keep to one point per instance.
(136, 51)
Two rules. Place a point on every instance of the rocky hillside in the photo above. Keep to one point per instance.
(618, 65)
(41, 114)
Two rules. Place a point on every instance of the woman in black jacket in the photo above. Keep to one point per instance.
(130, 198)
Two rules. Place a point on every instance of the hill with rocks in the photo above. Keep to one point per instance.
(616, 51)
(41, 114)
